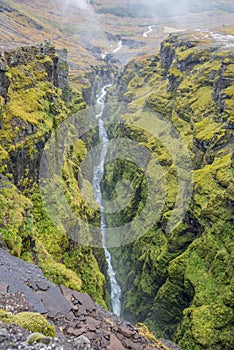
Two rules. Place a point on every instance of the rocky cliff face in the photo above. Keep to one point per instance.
(181, 283)
(51, 67)
(178, 282)
(34, 99)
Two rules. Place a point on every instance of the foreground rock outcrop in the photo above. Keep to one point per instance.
(74, 315)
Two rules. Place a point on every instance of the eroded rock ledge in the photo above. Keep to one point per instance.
(24, 288)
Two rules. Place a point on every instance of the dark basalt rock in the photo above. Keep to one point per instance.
(56, 68)
(54, 63)
(26, 278)
(4, 80)
(167, 54)
(80, 323)
(15, 337)
(112, 37)
(133, 44)
(5, 8)
(62, 70)
(220, 84)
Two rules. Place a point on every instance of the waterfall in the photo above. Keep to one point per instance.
(120, 45)
(145, 34)
(98, 175)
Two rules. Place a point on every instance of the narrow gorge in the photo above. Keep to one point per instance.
(174, 282)
(171, 110)
(115, 291)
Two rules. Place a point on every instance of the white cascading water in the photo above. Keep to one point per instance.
(119, 47)
(223, 39)
(145, 34)
(98, 175)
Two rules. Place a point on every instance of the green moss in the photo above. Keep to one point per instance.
(78, 270)
(59, 274)
(202, 99)
(145, 332)
(31, 321)
(25, 76)
(175, 72)
(34, 107)
(8, 75)
(93, 281)
(180, 283)
(3, 157)
(206, 322)
(37, 338)
(207, 129)
(45, 59)
(229, 70)
(13, 216)
(192, 54)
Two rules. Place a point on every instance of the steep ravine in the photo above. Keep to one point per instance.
(35, 98)
(115, 290)
(178, 283)
(181, 283)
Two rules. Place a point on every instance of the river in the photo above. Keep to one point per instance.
(145, 34)
(119, 47)
(97, 178)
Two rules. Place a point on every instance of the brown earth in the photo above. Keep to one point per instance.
(88, 32)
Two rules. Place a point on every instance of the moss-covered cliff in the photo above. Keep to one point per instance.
(34, 98)
(181, 283)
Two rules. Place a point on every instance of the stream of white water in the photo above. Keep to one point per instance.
(98, 175)
(222, 39)
(145, 34)
(119, 47)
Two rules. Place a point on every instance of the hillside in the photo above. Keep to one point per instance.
(86, 32)
(180, 281)
(116, 158)
(35, 98)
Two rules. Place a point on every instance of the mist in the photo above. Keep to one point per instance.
(157, 8)
(145, 8)
(171, 7)
(81, 4)
(100, 33)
